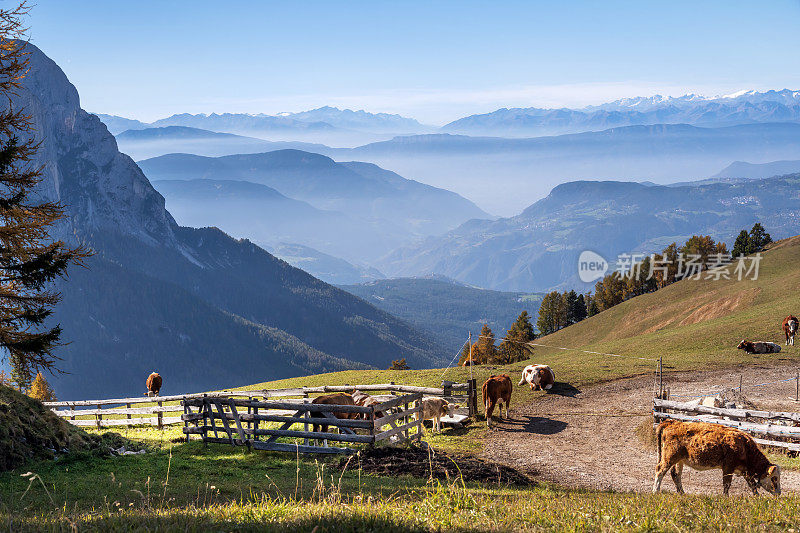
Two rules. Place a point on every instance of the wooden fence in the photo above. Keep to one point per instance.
(162, 411)
(773, 425)
(243, 422)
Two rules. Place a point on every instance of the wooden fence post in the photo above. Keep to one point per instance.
(99, 417)
(128, 406)
(160, 417)
(472, 398)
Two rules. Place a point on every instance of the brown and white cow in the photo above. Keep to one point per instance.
(153, 384)
(539, 377)
(790, 328)
(337, 398)
(496, 389)
(759, 347)
(365, 400)
(704, 446)
(434, 409)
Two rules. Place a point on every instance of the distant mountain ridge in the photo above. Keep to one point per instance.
(538, 249)
(375, 208)
(744, 170)
(447, 308)
(149, 142)
(746, 107)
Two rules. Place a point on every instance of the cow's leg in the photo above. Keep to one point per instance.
(489, 411)
(661, 471)
(676, 473)
(727, 478)
(752, 484)
(508, 401)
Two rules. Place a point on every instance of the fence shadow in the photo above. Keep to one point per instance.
(564, 389)
(539, 425)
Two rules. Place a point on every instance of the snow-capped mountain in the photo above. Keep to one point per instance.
(743, 107)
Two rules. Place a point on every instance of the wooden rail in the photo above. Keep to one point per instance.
(242, 422)
(168, 410)
(782, 425)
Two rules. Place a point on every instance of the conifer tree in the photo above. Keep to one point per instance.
(742, 244)
(29, 260)
(758, 238)
(513, 348)
(40, 389)
(485, 348)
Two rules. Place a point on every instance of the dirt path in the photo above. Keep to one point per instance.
(561, 438)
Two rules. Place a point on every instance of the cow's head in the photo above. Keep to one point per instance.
(744, 345)
(793, 326)
(525, 374)
(771, 480)
(449, 409)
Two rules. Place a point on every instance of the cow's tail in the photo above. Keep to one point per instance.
(659, 430)
(485, 396)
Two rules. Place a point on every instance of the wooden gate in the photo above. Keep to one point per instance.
(260, 424)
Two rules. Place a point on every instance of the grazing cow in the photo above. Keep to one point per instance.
(790, 328)
(337, 398)
(496, 389)
(703, 446)
(539, 377)
(153, 384)
(434, 409)
(759, 347)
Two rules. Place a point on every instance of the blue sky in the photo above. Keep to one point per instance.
(435, 61)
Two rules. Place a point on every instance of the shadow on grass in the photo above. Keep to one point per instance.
(564, 389)
(533, 424)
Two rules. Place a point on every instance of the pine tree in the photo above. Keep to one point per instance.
(513, 348)
(29, 262)
(552, 313)
(40, 389)
(465, 354)
(4, 381)
(742, 244)
(591, 306)
(758, 238)
(571, 305)
(580, 312)
(485, 350)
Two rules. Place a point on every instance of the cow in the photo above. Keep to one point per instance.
(337, 398)
(790, 328)
(759, 347)
(153, 384)
(434, 409)
(365, 400)
(496, 389)
(539, 377)
(704, 446)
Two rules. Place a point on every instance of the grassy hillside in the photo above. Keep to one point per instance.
(695, 324)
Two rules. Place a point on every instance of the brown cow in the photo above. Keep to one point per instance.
(337, 398)
(153, 384)
(496, 389)
(790, 328)
(759, 347)
(704, 446)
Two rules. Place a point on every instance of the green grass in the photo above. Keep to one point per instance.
(191, 487)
